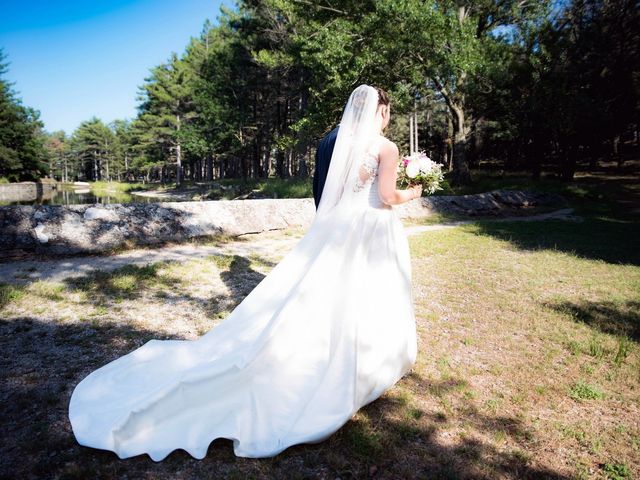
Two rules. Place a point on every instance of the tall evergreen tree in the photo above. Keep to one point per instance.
(124, 148)
(94, 146)
(22, 152)
(165, 110)
(57, 145)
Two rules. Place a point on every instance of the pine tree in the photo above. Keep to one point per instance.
(22, 152)
(94, 147)
(165, 110)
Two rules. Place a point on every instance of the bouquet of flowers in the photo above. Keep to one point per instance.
(416, 169)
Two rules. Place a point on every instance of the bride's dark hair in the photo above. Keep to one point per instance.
(383, 97)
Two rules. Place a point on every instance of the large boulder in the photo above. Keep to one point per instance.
(71, 229)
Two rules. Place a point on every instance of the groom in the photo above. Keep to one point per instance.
(323, 158)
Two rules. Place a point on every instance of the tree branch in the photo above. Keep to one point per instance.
(321, 7)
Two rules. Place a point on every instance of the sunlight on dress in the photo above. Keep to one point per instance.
(327, 331)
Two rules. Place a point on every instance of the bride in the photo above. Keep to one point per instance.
(328, 330)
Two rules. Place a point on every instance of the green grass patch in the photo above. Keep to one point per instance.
(48, 290)
(10, 293)
(617, 471)
(363, 439)
(122, 187)
(584, 391)
(123, 283)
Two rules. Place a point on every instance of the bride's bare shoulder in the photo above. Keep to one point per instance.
(388, 149)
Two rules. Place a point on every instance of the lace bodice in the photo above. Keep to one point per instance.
(366, 185)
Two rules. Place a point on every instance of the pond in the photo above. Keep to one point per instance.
(76, 195)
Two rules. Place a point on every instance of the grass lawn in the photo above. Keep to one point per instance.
(225, 189)
(528, 364)
(529, 350)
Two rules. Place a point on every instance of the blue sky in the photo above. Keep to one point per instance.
(75, 59)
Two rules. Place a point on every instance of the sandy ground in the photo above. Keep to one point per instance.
(263, 244)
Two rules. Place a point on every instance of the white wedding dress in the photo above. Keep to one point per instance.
(327, 331)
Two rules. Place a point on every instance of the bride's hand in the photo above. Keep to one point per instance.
(416, 191)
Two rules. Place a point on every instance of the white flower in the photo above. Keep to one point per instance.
(413, 169)
(425, 164)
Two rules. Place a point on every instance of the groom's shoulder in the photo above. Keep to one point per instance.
(330, 137)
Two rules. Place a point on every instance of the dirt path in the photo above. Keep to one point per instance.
(267, 244)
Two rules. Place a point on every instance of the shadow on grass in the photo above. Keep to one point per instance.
(43, 362)
(41, 365)
(393, 439)
(608, 239)
(608, 317)
(124, 282)
(240, 279)
(128, 282)
(610, 228)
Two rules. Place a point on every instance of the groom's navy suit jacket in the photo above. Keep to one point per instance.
(323, 159)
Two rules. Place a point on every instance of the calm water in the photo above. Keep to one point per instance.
(67, 195)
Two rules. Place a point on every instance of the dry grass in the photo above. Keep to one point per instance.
(541, 343)
(528, 366)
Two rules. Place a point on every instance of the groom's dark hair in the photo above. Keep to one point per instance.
(383, 97)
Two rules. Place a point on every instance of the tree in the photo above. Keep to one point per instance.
(94, 146)
(57, 146)
(124, 151)
(22, 152)
(165, 109)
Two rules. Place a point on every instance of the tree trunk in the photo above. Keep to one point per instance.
(568, 163)
(106, 156)
(461, 174)
(448, 144)
(536, 160)
(302, 165)
(615, 144)
(415, 126)
(257, 173)
(209, 168)
(410, 133)
(178, 155)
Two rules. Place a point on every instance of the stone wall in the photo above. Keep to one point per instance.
(72, 229)
(27, 191)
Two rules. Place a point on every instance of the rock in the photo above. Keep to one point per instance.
(40, 235)
(43, 189)
(496, 203)
(70, 229)
(102, 213)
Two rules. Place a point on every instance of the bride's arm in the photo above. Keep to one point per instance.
(388, 176)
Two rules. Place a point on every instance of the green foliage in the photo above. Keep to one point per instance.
(251, 96)
(584, 391)
(9, 293)
(624, 347)
(617, 471)
(115, 186)
(22, 153)
(94, 147)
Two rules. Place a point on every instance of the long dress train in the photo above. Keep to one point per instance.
(328, 330)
